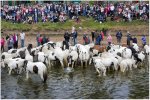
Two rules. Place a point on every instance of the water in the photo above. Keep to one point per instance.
(81, 83)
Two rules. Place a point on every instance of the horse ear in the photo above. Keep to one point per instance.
(91, 49)
(143, 53)
(116, 57)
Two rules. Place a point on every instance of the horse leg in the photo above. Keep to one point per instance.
(62, 65)
(27, 75)
(68, 64)
(130, 67)
(41, 75)
(104, 72)
(81, 63)
(85, 63)
(90, 61)
(20, 70)
(49, 64)
(75, 63)
(116, 67)
(72, 64)
(10, 71)
(98, 72)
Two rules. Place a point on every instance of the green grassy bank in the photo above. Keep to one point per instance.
(85, 23)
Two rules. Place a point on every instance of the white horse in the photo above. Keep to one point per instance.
(37, 68)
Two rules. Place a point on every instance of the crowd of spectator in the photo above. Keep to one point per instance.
(60, 12)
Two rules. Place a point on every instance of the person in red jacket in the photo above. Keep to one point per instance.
(40, 40)
(102, 35)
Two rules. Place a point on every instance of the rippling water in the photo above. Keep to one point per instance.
(82, 83)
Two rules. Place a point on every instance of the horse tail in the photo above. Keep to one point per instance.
(45, 76)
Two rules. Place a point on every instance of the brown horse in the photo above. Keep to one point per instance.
(100, 48)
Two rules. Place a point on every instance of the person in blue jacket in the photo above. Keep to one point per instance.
(143, 40)
(75, 34)
(98, 39)
(119, 36)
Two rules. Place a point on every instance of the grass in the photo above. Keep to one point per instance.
(86, 24)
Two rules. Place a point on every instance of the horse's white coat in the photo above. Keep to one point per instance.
(127, 63)
(42, 69)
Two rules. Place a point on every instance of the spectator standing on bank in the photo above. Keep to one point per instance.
(93, 36)
(17, 38)
(14, 39)
(102, 34)
(40, 39)
(109, 39)
(47, 39)
(7, 37)
(37, 39)
(119, 36)
(98, 39)
(75, 34)
(44, 39)
(2, 44)
(129, 38)
(134, 39)
(86, 39)
(67, 38)
(143, 40)
(22, 37)
(10, 42)
(73, 29)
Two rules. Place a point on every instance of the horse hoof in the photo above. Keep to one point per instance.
(98, 75)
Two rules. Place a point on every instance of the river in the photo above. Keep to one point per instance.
(82, 83)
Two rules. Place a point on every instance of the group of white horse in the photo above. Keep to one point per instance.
(39, 59)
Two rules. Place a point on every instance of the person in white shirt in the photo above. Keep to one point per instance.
(73, 29)
(22, 37)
